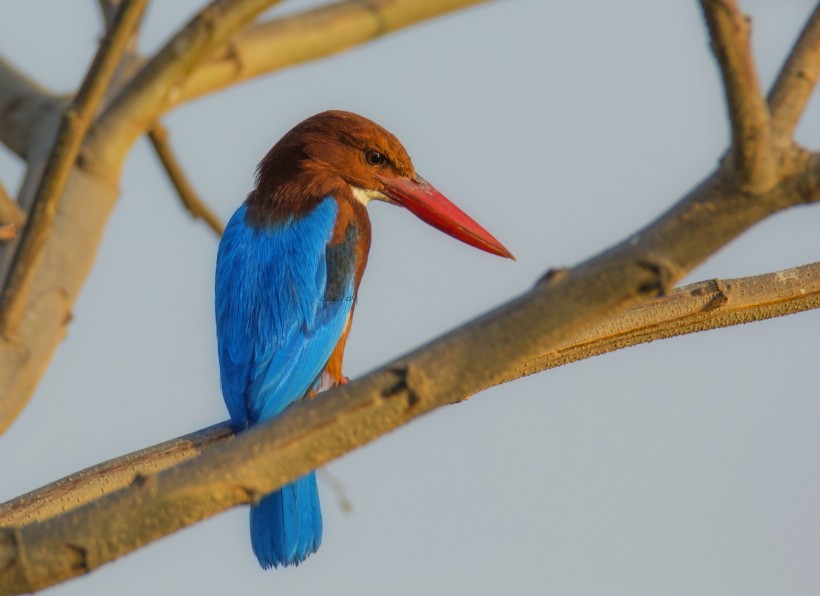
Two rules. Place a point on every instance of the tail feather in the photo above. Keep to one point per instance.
(286, 526)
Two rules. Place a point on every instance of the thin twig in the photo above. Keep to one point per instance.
(76, 122)
(338, 488)
(751, 151)
(796, 81)
(158, 136)
(705, 305)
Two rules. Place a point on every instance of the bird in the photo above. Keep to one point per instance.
(288, 270)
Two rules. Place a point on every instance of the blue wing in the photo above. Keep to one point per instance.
(276, 327)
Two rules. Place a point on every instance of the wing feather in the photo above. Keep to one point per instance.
(275, 328)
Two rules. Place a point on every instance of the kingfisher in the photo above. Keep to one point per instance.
(287, 275)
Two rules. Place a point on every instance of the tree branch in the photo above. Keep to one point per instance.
(751, 152)
(705, 305)
(448, 370)
(697, 307)
(306, 36)
(189, 197)
(90, 484)
(445, 371)
(76, 121)
(791, 91)
(153, 89)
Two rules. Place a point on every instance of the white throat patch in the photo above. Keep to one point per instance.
(365, 196)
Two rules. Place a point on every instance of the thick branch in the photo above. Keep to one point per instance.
(698, 307)
(23, 105)
(91, 483)
(794, 85)
(295, 39)
(76, 121)
(154, 87)
(448, 370)
(751, 153)
(189, 197)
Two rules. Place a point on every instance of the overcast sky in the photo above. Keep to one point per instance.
(689, 466)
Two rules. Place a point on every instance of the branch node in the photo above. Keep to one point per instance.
(80, 562)
(661, 281)
(141, 479)
(720, 298)
(552, 276)
(412, 384)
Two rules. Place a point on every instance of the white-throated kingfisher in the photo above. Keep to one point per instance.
(287, 274)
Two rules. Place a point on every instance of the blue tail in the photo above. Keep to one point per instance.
(286, 526)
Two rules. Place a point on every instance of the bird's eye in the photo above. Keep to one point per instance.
(374, 158)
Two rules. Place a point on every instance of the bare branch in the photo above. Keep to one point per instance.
(189, 197)
(306, 36)
(445, 371)
(23, 105)
(89, 484)
(697, 307)
(751, 153)
(794, 85)
(153, 89)
(76, 121)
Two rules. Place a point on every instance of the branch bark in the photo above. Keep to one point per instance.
(446, 371)
(306, 36)
(697, 307)
(796, 81)
(153, 89)
(751, 152)
(76, 121)
(90, 484)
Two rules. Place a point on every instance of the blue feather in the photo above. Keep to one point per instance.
(276, 329)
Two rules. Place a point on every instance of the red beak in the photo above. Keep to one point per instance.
(429, 205)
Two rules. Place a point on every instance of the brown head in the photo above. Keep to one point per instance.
(353, 159)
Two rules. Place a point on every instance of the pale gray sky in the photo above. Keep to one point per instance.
(690, 466)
